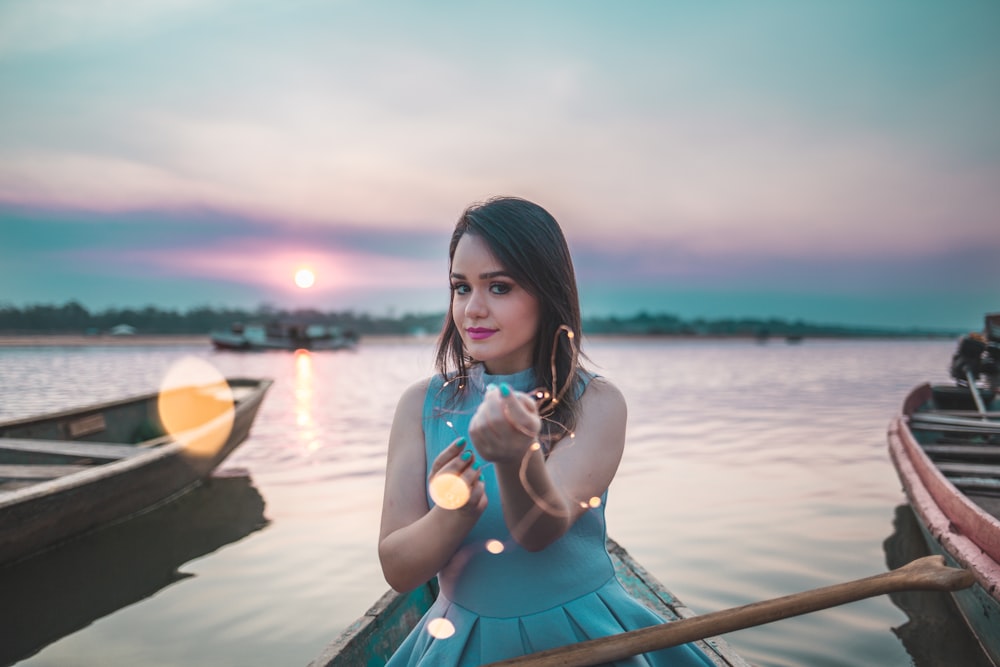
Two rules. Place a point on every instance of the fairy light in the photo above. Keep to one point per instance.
(558, 393)
(440, 628)
(494, 546)
(196, 406)
(449, 490)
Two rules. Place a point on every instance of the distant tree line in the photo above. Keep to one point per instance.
(73, 318)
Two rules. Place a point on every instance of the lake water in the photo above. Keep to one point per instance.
(751, 471)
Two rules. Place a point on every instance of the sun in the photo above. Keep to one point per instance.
(305, 278)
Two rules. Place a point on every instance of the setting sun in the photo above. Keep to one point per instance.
(305, 278)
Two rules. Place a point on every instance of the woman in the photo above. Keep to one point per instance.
(498, 467)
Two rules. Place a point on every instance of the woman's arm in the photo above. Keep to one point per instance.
(415, 541)
(542, 498)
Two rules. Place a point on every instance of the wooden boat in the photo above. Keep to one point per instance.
(93, 576)
(375, 636)
(65, 473)
(283, 336)
(945, 446)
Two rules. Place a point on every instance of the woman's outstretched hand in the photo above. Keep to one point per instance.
(454, 482)
(505, 426)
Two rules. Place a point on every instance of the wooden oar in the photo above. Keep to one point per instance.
(980, 408)
(926, 574)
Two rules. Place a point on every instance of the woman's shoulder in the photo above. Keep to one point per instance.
(412, 398)
(600, 389)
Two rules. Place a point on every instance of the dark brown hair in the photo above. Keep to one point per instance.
(529, 244)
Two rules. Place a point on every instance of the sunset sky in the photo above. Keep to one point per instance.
(835, 161)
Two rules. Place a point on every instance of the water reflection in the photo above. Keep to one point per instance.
(304, 396)
(65, 589)
(934, 633)
(778, 450)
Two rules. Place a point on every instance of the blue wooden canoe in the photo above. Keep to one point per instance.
(371, 639)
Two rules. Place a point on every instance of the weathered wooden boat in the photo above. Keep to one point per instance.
(945, 446)
(283, 336)
(375, 636)
(114, 566)
(65, 473)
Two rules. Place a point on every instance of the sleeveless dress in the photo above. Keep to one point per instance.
(500, 601)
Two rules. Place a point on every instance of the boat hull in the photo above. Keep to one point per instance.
(375, 636)
(105, 570)
(94, 492)
(240, 344)
(953, 524)
(282, 336)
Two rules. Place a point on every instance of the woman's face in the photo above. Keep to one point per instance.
(496, 318)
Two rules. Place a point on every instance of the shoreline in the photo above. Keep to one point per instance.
(139, 340)
(70, 340)
(180, 340)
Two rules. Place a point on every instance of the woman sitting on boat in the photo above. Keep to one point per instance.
(498, 467)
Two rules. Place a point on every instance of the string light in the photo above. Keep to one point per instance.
(451, 491)
(440, 628)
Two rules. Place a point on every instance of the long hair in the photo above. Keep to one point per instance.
(529, 244)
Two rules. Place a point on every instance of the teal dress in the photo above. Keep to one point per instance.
(500, 601)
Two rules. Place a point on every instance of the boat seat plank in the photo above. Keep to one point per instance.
(983, 483)
(94, 450)
(970, 469)
(963, 451)
(988, 427)
(37, 472)
(973, 414)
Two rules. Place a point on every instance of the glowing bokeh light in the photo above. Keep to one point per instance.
(449, 491)
(494, 546)
(305, 278)
(195, 405)
(440, 628)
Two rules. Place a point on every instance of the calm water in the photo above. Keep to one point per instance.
(751, 471)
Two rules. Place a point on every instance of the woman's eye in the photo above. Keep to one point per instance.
(460, 288)
(500, 288)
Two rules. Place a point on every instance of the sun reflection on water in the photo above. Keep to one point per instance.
(308, 433)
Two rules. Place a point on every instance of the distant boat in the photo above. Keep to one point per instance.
(283, 336)
(66, 473)
(945, 446)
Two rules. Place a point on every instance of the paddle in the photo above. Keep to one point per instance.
(928, 574)
(975, 393)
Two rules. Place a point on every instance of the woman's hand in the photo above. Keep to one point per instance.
(505, 425)
(455, 483)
